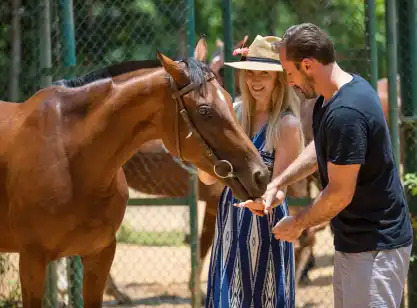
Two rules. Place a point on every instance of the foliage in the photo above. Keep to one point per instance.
(127, 235)
(410, 183)
(113, 31)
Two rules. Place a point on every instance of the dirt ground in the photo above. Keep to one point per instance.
(158, 276)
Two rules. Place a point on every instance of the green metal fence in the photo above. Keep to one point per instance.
(351, 24)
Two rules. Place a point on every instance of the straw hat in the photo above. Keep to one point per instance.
(259, 56)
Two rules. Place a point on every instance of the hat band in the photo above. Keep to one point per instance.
(257, 59)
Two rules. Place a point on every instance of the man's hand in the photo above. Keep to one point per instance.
(273, 197)
(287, 229)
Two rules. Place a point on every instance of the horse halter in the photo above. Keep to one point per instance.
(178, 97)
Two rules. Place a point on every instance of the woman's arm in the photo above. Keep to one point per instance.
(287, 149)
(288, 146)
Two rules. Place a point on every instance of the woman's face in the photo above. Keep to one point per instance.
(261, 84)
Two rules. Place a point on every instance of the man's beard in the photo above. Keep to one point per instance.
(308, 87)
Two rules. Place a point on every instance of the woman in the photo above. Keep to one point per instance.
(248, 267)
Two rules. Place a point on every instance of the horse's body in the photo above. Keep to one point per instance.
(49, 208)
(62, 151)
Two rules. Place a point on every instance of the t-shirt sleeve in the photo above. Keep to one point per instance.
(347, 137)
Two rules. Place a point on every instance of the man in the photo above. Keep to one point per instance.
(362, 193)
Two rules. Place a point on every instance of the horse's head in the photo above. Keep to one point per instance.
(199, 126)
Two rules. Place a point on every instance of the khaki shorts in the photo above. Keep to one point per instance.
(372, 279)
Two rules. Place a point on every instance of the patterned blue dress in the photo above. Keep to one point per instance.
(248, 266)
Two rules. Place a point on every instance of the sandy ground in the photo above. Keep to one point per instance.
(158, 276)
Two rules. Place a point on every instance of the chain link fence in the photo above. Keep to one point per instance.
(152, 265)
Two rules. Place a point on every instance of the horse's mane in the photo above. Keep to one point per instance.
(197, 71)
(108, 72)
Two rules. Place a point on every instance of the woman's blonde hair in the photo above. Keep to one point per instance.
(283, 99)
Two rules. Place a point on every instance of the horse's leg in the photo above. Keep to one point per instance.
(96, 270)
(112, 290)
(207, 233)
(32, 272)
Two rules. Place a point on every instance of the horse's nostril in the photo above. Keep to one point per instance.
(261, 179)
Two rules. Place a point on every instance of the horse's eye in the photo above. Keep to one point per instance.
(204, 110)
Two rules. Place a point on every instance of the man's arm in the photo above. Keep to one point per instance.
(346, 147)
(347, 139)
(333, 199)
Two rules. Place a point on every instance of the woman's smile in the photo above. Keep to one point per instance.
(258, 88)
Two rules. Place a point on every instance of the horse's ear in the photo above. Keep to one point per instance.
(174, 69)
(201, 50)
(219, 43)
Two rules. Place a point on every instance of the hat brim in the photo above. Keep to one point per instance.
(255, 66)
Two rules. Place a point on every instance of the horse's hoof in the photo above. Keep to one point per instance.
(304, 280)
(187, 239)
(124, 300)
(203, 299)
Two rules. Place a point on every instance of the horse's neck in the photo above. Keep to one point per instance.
(128, 117)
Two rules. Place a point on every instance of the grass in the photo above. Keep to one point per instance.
(127, 235)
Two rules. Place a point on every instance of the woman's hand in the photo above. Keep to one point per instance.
(255, 206)
(261, 206)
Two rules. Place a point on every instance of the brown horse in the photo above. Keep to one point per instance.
(61, 153)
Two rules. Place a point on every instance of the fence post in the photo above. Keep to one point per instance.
(45, 58)
(407, 60)
(74, 266)
(370, 25)
(391, 43)
(229, 77)
(192, 199)
(16, 52)
(190, 28)
(195, 240)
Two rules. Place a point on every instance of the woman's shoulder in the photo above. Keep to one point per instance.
(289, 118)
(290, 124)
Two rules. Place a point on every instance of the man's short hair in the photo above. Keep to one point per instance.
(307, 41)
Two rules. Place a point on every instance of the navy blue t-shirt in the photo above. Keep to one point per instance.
(351, 129)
